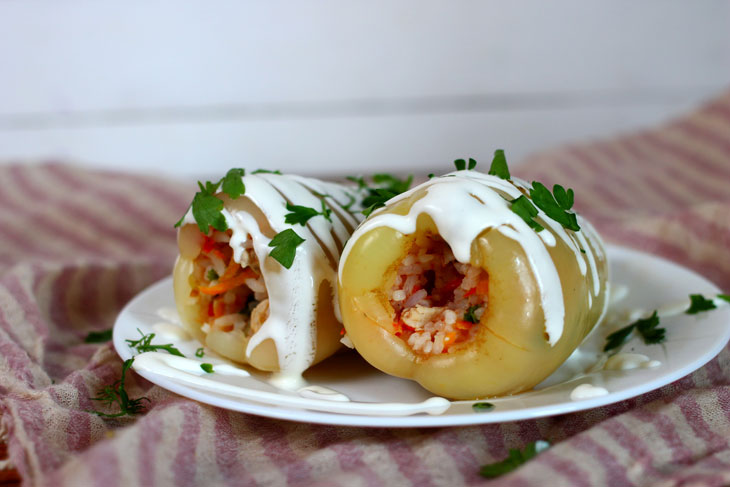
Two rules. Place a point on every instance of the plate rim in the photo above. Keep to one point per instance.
(425, 420)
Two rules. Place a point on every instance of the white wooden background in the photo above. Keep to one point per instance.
(319, 86)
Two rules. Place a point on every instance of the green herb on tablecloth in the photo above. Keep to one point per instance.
(208, 368)
(200, 352)
(461, 164)
(144, 344)
(516, 458)
(499, 165)
(647, 328)
(482, 407)
(99, 336)
(117, 394)
(285, 245)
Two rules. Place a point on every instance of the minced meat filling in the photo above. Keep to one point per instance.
(230, 295)
(438, 301)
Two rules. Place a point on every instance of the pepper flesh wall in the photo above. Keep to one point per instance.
(511, 351)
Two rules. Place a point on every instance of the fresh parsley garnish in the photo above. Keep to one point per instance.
(469, 315)
(302, 214)
(461, 164)
(647, 328)
(98, 336)
(266, 171)
(116, 393)
(482, 407)
(524, 208)
(285, 245)
(144, 344)
(212, 275)
(207, 207)
(199, 352)
(724, 297)
(499, 165)
(207, 368)
(385, 187)
(558, 211)
(516, 458)
(699, 303)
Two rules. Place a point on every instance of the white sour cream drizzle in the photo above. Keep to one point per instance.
(463, 204)
(188, 371)
(630, 361)
(292, 292)
(587, 391)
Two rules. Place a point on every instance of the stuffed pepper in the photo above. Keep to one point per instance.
(474, 285)
(255, 280)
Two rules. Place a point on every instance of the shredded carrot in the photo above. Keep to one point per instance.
(450, 337)
(231, 270)
(219, 308)
(225, 285)
(463, 324)
(482, 288)
(208, 244)
(226, 328)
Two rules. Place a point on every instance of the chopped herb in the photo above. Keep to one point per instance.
(482, 407)
(207, 367)
(564, 198)
(212, 275)
(116, 393)
(543, 199)
(461, 164)
(469, 315)
(98, 336)
(144, 344)
(647, 327)
(199, 352)
(699, 303)
(515, 459)
(524, 208)
(285, 245)
(351, 201)
(431, 175)
(207, 207)
(302, 214)
(266, 171)
(499, 165)
(724, 297)
(582, 251)
(386, 187)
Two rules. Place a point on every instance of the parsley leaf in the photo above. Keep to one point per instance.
(724, 297)
(98, 336)
(233, 183)
(285, 245)
(461, 164)
(207, 212)
(199, 352)
(469, 315)
(482, 407)
(144, 344)
(699, 303)
(116, 393)
(208, 368)
(386, 187)
(527, 211)
(266, 171)
(212, 275)
(647, 327)
(563, 198)
(302, 214)
(499, 165)
(515, 459)
(543, 199)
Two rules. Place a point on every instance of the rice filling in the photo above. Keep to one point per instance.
(438, 301)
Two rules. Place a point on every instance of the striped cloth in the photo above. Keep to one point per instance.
(77, 244)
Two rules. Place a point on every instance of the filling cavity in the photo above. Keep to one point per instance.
(231, 295)
(438, 301)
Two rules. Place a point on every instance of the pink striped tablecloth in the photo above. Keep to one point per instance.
(78, 244)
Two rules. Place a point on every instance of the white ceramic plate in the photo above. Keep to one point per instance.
(651, 282)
